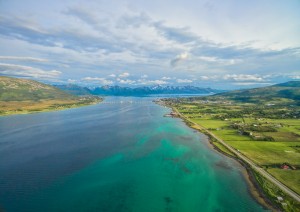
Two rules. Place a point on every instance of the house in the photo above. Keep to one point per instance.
(284, 166)
(279, 198)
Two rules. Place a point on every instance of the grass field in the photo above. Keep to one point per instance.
(261, 133)
(24, 107)
(209, 123)
(288, 177)
(272, 191)
(269, 153)
(223, 148)
(230, 135)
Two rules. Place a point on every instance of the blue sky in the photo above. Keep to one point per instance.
(208, 43)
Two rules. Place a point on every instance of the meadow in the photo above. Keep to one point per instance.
(268, 134)
(29, 106)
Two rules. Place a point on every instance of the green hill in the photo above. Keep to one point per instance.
(289, 84)
(13, 89)
(27, 96)
(285, 92)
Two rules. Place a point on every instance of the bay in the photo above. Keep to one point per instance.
(120, 155)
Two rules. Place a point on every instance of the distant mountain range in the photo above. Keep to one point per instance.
(74, 89)
(139, 91)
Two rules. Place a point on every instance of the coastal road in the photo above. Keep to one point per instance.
(254, 166)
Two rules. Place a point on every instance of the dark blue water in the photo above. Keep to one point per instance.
(121, 155)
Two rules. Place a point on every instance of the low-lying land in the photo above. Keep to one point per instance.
(265, 130)
(21, 96)
(24, 107)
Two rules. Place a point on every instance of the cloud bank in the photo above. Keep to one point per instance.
(202, 46)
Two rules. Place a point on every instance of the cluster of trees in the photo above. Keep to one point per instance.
(254, 131)
(258, 127)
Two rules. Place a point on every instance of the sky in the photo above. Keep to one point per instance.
(207, 43)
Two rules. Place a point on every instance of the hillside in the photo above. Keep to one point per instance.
(27, 96)
(13, 89)
(284, 92)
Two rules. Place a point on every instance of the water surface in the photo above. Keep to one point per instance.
(121, 155)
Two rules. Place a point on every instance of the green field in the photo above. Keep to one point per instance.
(267, 142)
(223, 148)
(269, 153)
(288, 177)
(263, 124)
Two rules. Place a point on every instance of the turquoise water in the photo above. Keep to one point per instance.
(114, 157)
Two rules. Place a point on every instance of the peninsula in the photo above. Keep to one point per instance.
(21, 96)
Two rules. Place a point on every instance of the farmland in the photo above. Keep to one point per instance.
(265, 130)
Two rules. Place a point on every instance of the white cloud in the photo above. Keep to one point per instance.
(71, 81)
(126, 81)
(179, 58)
(166, 78)
(209, 59)
(124, 75)
(159, 82)
(183, 56)
(144, 76)
(32, 59)
(184, 81)
(27, 71)
(100, 80)
(243, 77)
(205, 77)
(252, 83)
(247, 78)
(148, 37)
(296, 77)
(152, 82)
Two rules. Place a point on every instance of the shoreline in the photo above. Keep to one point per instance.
(25, 112)
(252, 185)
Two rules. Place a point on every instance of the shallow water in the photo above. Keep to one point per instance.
(114, 157)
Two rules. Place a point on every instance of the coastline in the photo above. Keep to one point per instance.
(254, 188)
(50, 109)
